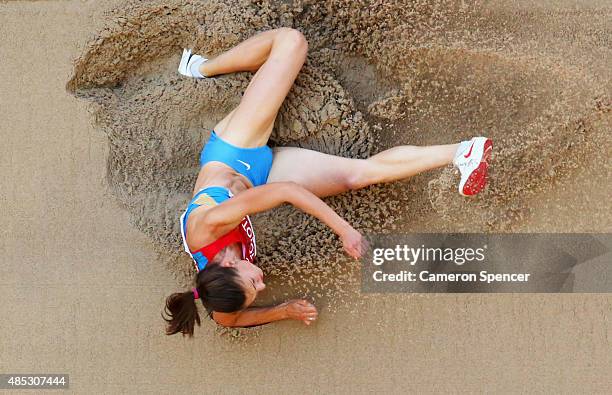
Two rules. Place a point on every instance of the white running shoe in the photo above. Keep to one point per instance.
(472, 161)
(187, 61)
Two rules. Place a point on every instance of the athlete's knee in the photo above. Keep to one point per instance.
(294, 41)
(358, 176)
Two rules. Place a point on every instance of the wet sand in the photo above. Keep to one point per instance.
(97, 175)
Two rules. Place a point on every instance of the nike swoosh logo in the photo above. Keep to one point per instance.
(244, 163)
(469, 152)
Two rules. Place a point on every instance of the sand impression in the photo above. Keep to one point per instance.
(378, 74)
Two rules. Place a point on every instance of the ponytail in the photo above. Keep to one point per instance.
(218, 287)
(182, 313)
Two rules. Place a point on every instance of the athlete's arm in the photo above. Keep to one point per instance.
(299, 310)
(224, 217)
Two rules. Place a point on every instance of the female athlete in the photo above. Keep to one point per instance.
(240, 175)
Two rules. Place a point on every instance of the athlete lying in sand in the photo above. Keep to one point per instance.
(240, 175)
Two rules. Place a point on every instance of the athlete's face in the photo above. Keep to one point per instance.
(251, 276)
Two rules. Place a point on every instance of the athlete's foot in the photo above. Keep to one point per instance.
(472, 161)
(190, 64)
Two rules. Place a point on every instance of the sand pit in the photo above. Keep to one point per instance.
(377, 75)
(82, 289)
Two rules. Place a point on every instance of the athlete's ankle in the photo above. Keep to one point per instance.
(206, 69)
(196, 68)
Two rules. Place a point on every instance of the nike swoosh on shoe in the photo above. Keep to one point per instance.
(470, 151)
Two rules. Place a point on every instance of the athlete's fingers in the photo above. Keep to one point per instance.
(365, 245)
(305, 303)
(309, 310)
(310, 313)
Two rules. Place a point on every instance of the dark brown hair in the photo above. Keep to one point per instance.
(220, 289)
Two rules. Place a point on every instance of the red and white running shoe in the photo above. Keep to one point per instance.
(472, 161)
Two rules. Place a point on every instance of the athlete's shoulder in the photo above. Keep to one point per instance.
(225, 319)
(200, 230)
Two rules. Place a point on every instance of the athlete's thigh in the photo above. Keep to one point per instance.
(322, 174)
(251, 123)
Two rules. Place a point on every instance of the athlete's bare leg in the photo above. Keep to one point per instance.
(326, 175)
(278, 56)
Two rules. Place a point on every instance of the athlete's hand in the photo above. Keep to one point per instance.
(354, 243)
(301, 310)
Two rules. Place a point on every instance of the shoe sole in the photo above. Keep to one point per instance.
(479, 176)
